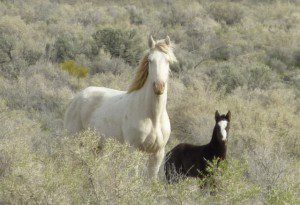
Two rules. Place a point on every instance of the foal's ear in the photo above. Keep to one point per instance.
(167, 40)
(151, 42)
(228, 116)
(217, 115)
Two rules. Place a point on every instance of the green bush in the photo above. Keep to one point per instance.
(281, 54)
(6, 48)
(136, 16)
(227, 12)
(126, 44)
(220, 53)
(178, 13)
(260, 76)
(297, 58)
(104, 63)
(64, 48)
(17, 46)
(75, 70)
(228, 77)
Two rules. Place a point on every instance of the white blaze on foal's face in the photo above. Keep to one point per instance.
(223, 124)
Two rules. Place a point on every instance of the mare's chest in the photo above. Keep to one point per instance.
(146, 135)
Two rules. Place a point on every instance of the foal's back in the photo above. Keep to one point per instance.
(187, 160)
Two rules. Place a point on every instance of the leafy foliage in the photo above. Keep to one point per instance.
(17, 50)
(125, 44)
(64, 49)
(228, 12)
(75, 70)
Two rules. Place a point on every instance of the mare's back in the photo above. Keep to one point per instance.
(92, 98)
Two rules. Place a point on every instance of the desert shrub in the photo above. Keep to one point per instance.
(268, 169)
(117, 13)
(281, 54)
(136, 16)
(179, 13)
(85, 169)
(201, 33)
(264, 1)
(108, 79)
(31, 56)
(24, 166)
(228, 77)
(228, 12)
(224, 179)
(260, 76)
(119, 43)
(297, 58)
(87, 14)
(69, 43)
(7, 45)
(221, 52)
(64, 48)
(171, 17)
(185, 61)
(103, 63)
(73, 163)
(44, 10)
(17, 46)
(38, 88)
(75, 70)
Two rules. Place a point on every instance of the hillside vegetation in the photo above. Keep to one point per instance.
(238, 55)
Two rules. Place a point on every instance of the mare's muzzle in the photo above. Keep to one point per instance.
(158, 87)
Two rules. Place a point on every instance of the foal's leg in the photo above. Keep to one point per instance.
(155, 161)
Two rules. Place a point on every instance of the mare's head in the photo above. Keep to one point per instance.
(222, 126)
(155, 66)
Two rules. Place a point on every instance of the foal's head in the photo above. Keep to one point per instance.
(222, 126)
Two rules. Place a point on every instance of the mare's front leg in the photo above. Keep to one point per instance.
(154, 163)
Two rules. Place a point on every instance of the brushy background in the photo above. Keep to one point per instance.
(238, 55)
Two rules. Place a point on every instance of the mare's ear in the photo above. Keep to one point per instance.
(151, 42)
(217, 115)
(228, 116)
(167, 40)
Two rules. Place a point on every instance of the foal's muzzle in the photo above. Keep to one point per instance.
(158, 87)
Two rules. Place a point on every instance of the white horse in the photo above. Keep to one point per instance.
(138, 116)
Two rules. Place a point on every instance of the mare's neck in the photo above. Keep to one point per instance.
(153, 105)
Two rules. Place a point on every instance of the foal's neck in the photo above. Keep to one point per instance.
(218, 147)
